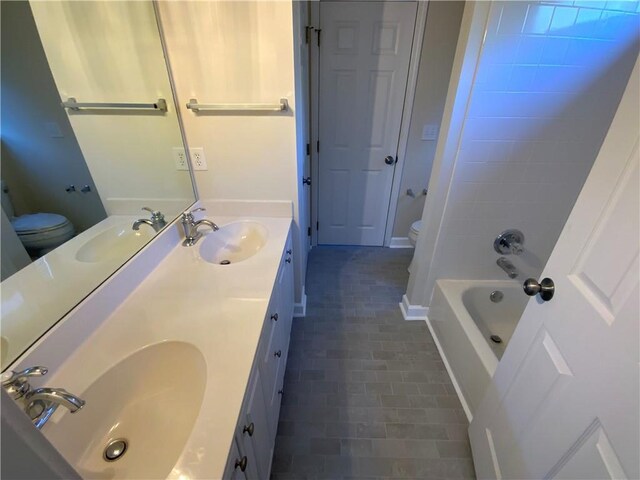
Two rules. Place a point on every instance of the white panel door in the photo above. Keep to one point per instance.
(364, 62)
(564, 401)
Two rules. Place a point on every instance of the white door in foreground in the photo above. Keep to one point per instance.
(564, 399)
(364, 62)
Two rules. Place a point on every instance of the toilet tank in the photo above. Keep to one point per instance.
(7, 206)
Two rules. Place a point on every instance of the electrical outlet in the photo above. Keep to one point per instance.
(180, 158)
(198, 158)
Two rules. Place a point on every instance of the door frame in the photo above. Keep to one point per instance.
(407, 109)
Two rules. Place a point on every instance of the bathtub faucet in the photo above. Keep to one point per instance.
(508, 267)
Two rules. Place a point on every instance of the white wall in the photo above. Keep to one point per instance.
(436, 59)
(106, 51)
(239, 52)
(40, 154)
(548, 82)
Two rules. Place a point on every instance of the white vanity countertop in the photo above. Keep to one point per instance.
(44, 291)
(219, 309)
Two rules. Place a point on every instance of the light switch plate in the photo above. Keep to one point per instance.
(198, 159)
(430, 132)
(180, 158)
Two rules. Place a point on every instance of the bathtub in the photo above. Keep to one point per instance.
(462, 318)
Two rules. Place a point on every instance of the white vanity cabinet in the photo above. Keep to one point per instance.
(252, 449)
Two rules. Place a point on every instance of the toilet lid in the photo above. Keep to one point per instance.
(38, 222)
(416, 226)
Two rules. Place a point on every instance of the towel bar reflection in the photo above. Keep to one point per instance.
(73, 104)
(239, 107)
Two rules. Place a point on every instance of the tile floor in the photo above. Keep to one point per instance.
(366, 394)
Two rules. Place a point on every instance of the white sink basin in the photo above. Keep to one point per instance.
(233, 243)
(114, 243)
(151, 399)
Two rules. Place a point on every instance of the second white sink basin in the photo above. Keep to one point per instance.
(150, 401)
(115, 243)
(233, 243)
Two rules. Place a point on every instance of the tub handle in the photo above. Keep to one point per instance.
(546, 288)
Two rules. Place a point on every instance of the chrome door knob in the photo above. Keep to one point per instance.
(546, 288)
(389, 160)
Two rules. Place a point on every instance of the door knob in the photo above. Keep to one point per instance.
(389, 160)
(545, 288)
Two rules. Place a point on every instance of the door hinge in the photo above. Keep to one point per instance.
(318, 30)
(308, 149)
(308, 231)
(318, 146)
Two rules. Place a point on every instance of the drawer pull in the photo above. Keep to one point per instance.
(274, 317)
(281, 391)
(248, 429)
(288, 260)
(278, 354)
(242, 463)
(289, 252)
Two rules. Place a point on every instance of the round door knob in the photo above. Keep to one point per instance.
(546, 288)
(389, 160)
(248, 429)
(242, 463)
(278, 354)
(274, 317)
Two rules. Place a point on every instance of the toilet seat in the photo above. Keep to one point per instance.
(38, 222)
(42, 231)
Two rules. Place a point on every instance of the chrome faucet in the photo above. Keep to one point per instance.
(190, 226)
(157, 221)
(39, 403)
(508, 267)
(509, 242)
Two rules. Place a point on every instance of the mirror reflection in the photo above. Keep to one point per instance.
(93, 164)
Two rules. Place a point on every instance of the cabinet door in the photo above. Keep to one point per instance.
(286, 291)
(268, 359)
(235, 464)
(253, 431)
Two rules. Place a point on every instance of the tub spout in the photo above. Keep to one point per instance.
(508, 267)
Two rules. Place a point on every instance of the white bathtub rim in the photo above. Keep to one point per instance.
(452, 291)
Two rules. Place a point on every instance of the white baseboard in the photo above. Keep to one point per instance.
(463, 401)
(400, 242)
(300, 309)
(413, 312)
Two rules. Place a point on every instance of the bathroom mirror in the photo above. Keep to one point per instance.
(90, 136)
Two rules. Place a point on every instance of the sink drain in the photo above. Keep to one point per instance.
(115, 450)
(225, 262)
(495, 339)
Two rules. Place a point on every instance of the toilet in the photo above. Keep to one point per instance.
(414, 231)
(39, 232)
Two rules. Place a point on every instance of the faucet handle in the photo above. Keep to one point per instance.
(15, 383)
(155, 214)
(188, 215)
